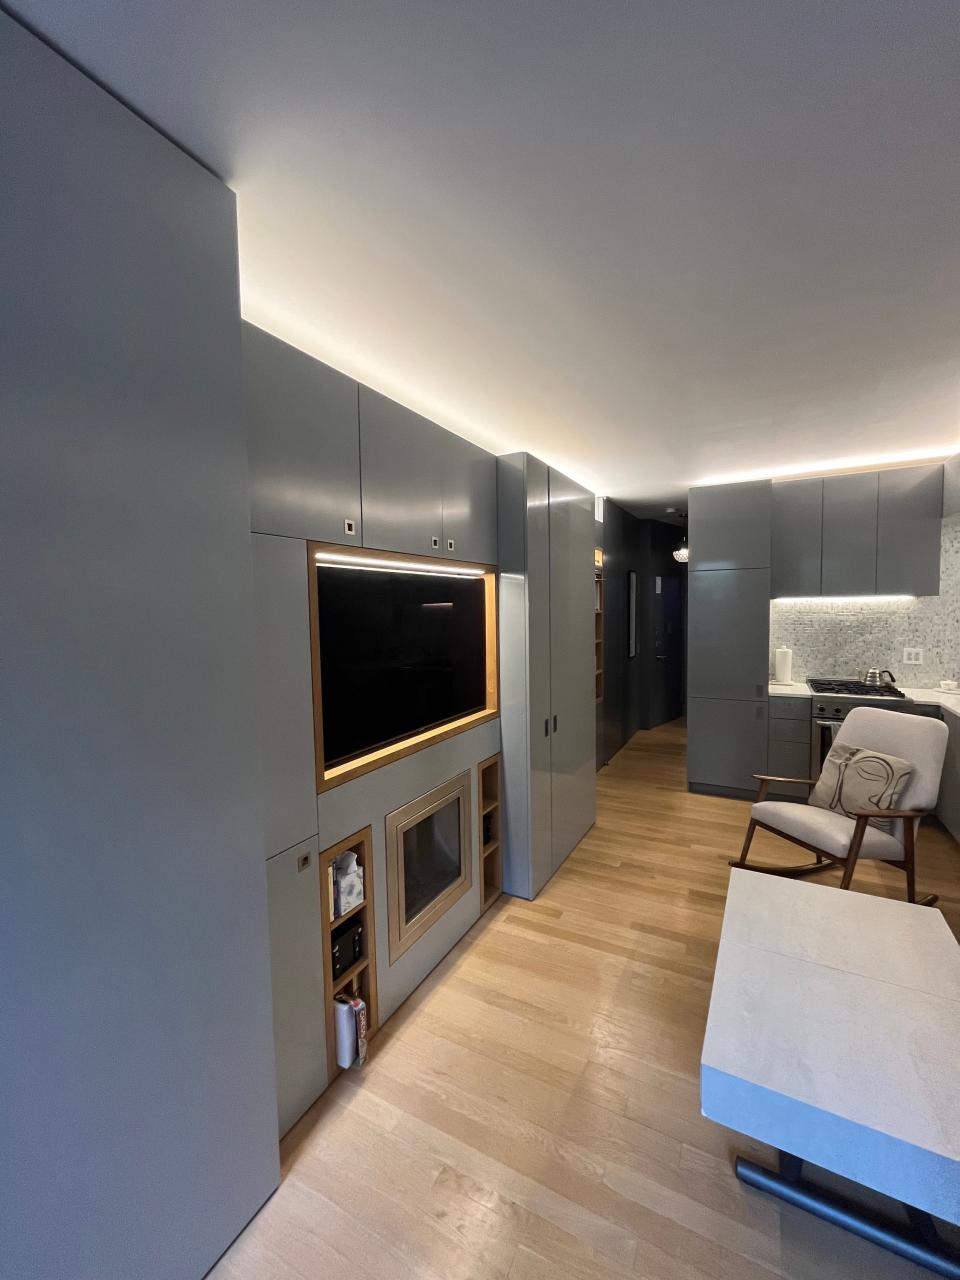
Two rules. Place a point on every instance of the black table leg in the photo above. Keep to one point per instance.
(918, 1242)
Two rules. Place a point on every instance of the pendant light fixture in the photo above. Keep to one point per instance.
(682, 553)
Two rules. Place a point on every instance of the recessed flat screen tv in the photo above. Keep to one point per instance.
(400, 653)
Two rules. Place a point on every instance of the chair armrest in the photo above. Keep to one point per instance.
(891, 813)
(771, 777)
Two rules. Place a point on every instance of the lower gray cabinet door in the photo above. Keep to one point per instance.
(296, 970)
(788, 760)
(726, 742)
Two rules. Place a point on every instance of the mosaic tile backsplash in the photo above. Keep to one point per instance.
(845, 637)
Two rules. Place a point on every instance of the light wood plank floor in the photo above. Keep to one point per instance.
(532, 1111)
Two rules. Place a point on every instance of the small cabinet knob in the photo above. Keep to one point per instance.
(435, 543)
(350, 528)
(450, 544)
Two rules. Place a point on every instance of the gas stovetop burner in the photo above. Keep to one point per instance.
(855, 689)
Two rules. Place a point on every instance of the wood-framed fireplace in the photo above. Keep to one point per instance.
(429, 860)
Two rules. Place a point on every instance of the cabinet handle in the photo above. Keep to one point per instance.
(760, 690)
(350, 527)
(758, 713)
(303, 862)
(435, 543)
(554, 724)
(546, 727)
(449, 544)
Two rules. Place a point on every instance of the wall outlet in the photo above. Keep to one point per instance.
(912, 657)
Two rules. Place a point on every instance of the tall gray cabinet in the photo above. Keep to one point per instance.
(727, 644)
(547, 669)
(137, 1073)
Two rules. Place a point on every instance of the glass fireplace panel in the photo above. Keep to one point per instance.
(431, 858)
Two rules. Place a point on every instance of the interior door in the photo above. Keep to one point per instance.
(572, 666)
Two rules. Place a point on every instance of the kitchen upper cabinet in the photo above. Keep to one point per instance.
(404, 467)
(730, 526)
(850, 535)
(303, 443)
(951, 486)
(796, 540)
(728, 613)
(469, 500)
(726, 743)
(909, 515)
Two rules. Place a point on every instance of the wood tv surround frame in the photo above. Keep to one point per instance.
(333, 777)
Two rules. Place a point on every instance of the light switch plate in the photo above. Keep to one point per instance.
(912, 657)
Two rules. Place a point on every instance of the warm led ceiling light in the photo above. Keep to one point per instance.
(833, 466)
(839, 599)
(330, 559)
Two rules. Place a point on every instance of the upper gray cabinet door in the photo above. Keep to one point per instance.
(909, 515)
(730, 526)
(728, 633)
(951, 486)
(850, 535)
(303, 442)
(796, 539)
(403, 462)
(469, 502)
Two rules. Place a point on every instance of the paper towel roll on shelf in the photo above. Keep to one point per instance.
(783, 666)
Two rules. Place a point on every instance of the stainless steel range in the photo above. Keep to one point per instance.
(833, 700)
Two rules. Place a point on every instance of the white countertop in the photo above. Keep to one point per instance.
(832, 1034)
(939, 697)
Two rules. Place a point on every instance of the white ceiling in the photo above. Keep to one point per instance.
(652, 241)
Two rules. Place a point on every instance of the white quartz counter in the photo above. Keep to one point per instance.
(939, 697)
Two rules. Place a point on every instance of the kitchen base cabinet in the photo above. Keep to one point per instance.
(727, 745)
(296, 968)
(788, 753)
(948, 806)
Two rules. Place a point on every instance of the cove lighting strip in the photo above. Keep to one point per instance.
(372, 563)
(839, 599)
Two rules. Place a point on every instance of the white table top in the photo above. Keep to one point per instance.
(834, 1033)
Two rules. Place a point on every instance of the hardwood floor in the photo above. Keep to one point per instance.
(532, 1110)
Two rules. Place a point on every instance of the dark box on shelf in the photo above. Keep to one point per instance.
(346, 947)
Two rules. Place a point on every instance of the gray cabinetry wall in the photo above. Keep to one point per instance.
(948, 806)
(469, 500)
(850, 534)
(303, 441)
(788, 754)
(403, 472)
(546, 653)
(797, 540)
(296, 967)
(730, 534)
(284, 691)
(573, 756)
(909, 516)
(727, 641)
(137, 1072)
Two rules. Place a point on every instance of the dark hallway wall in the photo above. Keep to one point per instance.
(648, 689)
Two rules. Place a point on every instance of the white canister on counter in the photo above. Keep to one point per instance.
(783, 666)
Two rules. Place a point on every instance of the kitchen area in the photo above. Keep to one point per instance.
(810, 597)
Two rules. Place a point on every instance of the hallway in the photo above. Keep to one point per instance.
(547, 1126)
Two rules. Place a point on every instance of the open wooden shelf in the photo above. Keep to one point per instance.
(361, 978)
(491, 862)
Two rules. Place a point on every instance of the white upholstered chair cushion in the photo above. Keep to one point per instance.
(825, 829)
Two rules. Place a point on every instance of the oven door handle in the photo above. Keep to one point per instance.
(821, 740)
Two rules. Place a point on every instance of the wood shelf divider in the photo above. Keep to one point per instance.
(361, 978)
(489, 790)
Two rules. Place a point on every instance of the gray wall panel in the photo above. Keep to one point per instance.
(909, 516)
(367, 800)
(296, 970)
(540, 648)
(303, 441)
(850, 535)
(138, 1074)
(951, 486)
(948, 805)
(572, 665)
(284, 691)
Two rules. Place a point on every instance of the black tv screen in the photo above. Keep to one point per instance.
(399, 653)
